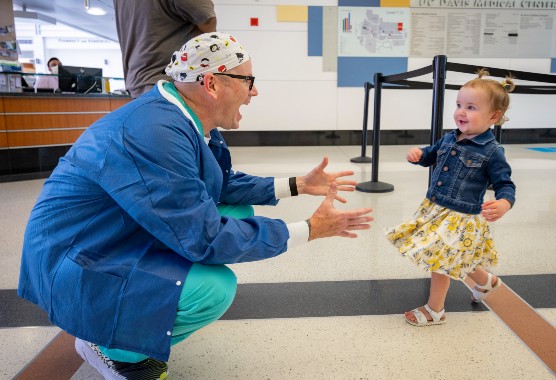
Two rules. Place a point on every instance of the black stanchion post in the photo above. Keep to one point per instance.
(363, 159)
(498, 137)
(498, 133)
(374, 186)
(438, 86)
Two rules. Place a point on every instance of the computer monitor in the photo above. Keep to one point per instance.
(85, 80)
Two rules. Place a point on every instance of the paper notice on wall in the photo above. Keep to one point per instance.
(474, 33)
(428, 33)
(464, 34)
(500, 33)
(535, 33)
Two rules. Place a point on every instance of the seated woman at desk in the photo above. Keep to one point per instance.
(47, 81)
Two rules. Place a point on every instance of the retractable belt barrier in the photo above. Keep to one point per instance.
(438, 68)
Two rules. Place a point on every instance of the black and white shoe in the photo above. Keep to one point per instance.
(148, 369)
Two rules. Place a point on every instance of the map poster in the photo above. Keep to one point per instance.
(373, 32)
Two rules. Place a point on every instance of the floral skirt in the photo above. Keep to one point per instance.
(445, 241)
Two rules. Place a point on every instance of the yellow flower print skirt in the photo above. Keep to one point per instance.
(445, 241)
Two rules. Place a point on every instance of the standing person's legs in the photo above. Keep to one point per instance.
(481, 277)
(438, 291)
(440, 284)
(486, 282)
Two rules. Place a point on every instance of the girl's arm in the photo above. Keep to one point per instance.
(499, 172)
(429, 154)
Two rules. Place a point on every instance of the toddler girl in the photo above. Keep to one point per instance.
(449, 234)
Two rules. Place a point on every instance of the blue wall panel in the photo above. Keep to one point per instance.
(314, 32)
(359, 3)
(355, 71)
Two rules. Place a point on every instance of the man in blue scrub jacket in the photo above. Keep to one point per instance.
(126, 246)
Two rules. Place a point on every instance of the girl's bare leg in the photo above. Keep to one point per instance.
(437, 295)
(480, 276)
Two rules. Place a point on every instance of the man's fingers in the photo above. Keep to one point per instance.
(332, 194)
(360, 220)
(343, 174)
(346, 234)
(359, 227)
(357, 213)
(341, 199)
(346, 183)
(323, 164)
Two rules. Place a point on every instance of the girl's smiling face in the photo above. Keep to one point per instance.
(474, 114)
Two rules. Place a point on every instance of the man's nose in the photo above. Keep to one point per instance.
(254, 91)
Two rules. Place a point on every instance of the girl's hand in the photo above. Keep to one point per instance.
(317, 181)
(494, 210)
(414, 154)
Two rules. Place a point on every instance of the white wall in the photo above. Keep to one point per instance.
(294, 91)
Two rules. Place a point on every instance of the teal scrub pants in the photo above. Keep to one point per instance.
(208, 291)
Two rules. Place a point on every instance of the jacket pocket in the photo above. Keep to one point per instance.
(471, 160)
(86, 302)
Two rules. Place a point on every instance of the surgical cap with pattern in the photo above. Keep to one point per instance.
(208, 53)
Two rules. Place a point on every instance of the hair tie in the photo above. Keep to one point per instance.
(506, 85)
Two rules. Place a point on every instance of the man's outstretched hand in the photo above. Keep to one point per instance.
(317, 181)
(329, 221)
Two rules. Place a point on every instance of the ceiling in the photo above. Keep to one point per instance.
(72, 13)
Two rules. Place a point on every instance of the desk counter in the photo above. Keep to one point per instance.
(36, 129)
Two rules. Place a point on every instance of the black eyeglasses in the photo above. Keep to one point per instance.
(249, 78)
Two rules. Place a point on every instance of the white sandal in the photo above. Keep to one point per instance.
(422, 319)
(479, 296)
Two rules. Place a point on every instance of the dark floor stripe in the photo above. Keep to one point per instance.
(533, 330)
(323, 299)
(58, 360)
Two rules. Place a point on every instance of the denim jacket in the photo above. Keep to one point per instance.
(464, 169)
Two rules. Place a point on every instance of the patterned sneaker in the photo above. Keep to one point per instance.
(148, 369)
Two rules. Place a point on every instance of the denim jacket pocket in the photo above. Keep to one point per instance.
(472, 160)
(470, 164)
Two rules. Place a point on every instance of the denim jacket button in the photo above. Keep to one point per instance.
(469, 162)
(439, 183)
(433, 199)
(453, 152)
(445, 168)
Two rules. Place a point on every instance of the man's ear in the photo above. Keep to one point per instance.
(210, 85)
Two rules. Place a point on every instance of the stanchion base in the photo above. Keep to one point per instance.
(374, 187)
(362, 160)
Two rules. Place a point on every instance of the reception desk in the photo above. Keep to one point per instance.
(37, 129)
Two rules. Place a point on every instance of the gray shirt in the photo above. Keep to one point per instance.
(150, 31)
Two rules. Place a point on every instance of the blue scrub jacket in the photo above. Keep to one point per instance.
(127, 210)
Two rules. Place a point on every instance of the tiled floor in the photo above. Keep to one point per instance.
(332, 309)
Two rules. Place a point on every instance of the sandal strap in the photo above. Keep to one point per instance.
(421, 319)
(436, 315)
(488, 285)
